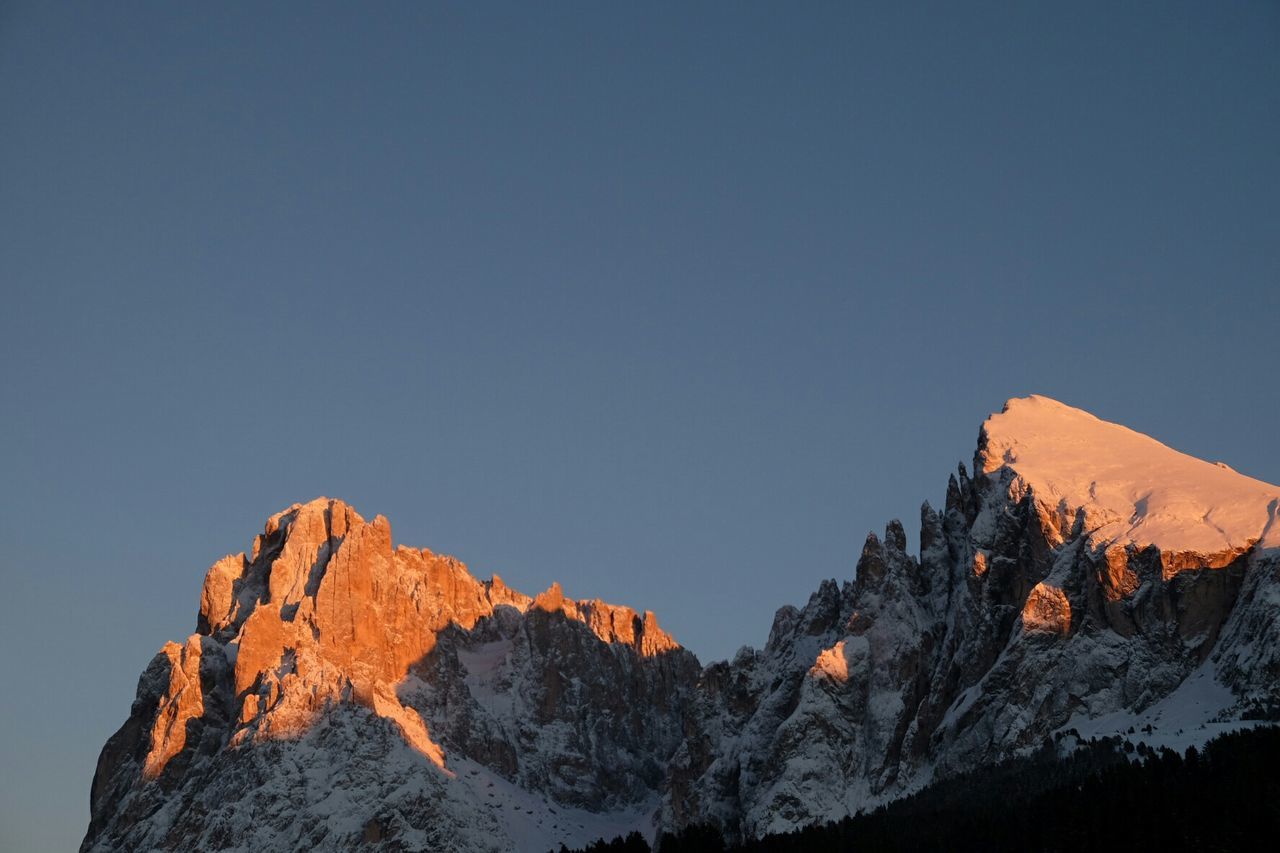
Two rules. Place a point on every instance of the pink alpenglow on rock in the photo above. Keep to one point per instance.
(1131, 488)
(326, 635)
(341, 691)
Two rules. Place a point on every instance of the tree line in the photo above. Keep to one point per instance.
(1108, 794)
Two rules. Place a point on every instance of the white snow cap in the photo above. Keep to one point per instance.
(1132, 487)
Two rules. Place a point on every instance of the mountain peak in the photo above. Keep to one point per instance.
(1133, 489)
(341, 691)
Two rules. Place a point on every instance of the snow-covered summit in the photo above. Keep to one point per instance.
(342, 693)
(1132, 488)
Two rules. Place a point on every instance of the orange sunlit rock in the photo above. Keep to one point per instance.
(325, 610)
(184, 702)
(1047, 610)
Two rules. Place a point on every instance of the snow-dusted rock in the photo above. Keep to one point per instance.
(1132, 489)
(1086, 577)
(341, 692)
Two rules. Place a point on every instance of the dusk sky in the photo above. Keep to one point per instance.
(671, 304)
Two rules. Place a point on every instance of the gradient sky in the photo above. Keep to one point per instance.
(670, 303)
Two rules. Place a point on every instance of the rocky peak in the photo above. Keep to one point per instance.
(1084, 577)
(1060, 584)
(611, 623)
(1131, 489)
(324, 613)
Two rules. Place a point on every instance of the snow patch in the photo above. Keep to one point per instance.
(1133, 488)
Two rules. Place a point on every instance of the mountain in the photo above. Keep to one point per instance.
(1104, 795)
(1086, 578)
(339, 691)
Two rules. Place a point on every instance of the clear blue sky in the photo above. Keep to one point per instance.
(670, 303)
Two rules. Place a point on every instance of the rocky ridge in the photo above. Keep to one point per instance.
(1031, 609)
(325, 657)
(339, 691)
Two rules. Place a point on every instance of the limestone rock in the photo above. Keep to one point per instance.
(342, 692)
(327, 645)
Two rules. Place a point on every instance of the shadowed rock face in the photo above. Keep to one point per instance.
(325, 636)
(340, 691)
(1025, 613)
(997, 636)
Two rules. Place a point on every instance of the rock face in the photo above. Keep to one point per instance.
(341, 692)
(1087, 578)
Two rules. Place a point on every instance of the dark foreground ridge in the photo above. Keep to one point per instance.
(1107, 795)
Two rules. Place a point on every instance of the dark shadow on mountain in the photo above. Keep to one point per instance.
(613, 715)
(616, 713)
(1106, 795)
